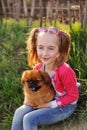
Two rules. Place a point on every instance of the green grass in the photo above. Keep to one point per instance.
(13, 60)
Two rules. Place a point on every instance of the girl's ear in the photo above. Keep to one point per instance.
(58, 55)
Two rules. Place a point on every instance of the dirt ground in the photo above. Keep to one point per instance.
(77, 125)
(65, 125)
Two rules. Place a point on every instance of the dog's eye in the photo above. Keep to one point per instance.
(37, 81)
(33, 81)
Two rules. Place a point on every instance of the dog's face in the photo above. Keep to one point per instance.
(33, 84)
(35, 78)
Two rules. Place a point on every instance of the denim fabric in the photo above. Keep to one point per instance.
(26, 118)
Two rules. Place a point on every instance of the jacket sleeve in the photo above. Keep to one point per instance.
(69, 82)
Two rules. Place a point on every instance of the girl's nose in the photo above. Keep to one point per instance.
(45, 52)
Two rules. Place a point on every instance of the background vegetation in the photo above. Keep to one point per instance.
(13, 60)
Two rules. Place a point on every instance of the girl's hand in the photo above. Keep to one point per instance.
(26, 102)
(46, 105)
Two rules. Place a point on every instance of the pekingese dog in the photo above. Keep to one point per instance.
(37, 87)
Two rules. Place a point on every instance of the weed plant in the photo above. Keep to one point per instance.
(78, 57)
(13, 61)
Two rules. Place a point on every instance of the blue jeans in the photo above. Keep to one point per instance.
(27, 118)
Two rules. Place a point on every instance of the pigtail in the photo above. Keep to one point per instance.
(31, 45)
(64, 48)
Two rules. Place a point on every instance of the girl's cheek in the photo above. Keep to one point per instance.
(39, 53)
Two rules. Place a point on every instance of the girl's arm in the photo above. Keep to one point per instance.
(25, 101)
(67, 80)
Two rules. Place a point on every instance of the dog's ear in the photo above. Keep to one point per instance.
(23, 78)
(45, 76)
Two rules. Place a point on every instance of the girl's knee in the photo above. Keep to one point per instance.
(28, 119)
(29, 122)
(20, 112)
(17, 111)
(22, 109)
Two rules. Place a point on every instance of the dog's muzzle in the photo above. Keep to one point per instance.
(33, 85)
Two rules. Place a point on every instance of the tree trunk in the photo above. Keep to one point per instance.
(25, 8)
(9, 8)
(16, 9)
(41, 13)
(3, 7)
(1, 12)
(32, 12)
(69, 11)
(49, 11)
(44, 12)
(44, 8)
(56, 12)
(85, 18)
(80, 12)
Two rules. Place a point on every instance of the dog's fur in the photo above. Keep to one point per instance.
(37, 87)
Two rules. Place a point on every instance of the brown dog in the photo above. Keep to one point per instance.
(37, 87)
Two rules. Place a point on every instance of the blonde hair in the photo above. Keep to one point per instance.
(63, 47)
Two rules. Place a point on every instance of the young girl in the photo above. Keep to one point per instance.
(49, 49)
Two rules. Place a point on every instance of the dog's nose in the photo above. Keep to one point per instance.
(32, 83)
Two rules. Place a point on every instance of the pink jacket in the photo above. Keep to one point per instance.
(65, 85)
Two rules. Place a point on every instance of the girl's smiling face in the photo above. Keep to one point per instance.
(47, 48)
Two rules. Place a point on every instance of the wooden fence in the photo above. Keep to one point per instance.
(65, 11)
